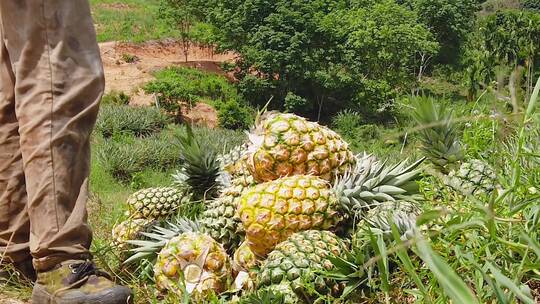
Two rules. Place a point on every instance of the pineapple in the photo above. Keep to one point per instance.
(200, 167)
(244, 263)
(270, 212)
(193, 263)
(442, 147)
(294, 261)
(221, 221)
(156, 203)
(402, 213)
(285, 144)
(127, 230)
(233, 161)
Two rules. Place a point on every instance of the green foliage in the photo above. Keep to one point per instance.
(512, 36)
(174, 85)
(129, 20)
(138, 121)
(233, 115)
(311, 56)
(124, 156)
(347, 122)
(115, 98)
(533, 5)
(449, 20)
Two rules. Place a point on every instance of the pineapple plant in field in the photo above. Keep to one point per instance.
(295, 260)
(441, 145)
(285, 144)
(270, 212)
(193, 263)
(156, 203)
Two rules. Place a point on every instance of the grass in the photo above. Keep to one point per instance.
(129, 21)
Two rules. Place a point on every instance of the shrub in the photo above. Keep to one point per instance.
(233, 115)
(123, 155)
(116, 98)
(174, 85)
(138, 121)
(295, 103)
(346, 122)
(177, 84)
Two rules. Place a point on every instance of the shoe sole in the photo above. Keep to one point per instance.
(117, 295)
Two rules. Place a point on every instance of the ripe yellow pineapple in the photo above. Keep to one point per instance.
(126, 231)
(193, 261)
(270, 212)
(285, 144)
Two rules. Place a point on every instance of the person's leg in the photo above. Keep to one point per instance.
(14, 222)
(59, 82)
(58, 86)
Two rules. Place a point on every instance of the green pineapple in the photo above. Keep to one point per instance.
(127, 230)
(295, 261)
(441, 145)
(156, 203)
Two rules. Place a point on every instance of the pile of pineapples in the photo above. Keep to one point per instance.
(277, 208)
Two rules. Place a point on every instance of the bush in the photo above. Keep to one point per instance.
(138, 121)
(233, 115)
(174, 85)
(346, 122)
(116, 98)
(533, 5)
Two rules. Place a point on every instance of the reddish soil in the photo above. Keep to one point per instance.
(149, 57)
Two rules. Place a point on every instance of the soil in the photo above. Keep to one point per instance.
(129, 66)
(148, 58)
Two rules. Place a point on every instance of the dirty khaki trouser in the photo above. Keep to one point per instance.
(51, 82)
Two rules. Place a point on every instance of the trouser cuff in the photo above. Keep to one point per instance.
(50, 262)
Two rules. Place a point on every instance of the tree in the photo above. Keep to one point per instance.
(513, 37)
(294, 51)
(449, 20)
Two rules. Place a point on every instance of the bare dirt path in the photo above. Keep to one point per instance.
(148, 57)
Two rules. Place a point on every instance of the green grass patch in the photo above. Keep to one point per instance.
(129, 21)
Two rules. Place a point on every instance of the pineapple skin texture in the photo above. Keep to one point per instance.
(155, 203)
(220, 218)
(272, 211)
(126, 231)
(299, 256)
(286, 144)
(190, 251)
(474, 177)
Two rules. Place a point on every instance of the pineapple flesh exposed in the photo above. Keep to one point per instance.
(193, 263)
(272, 211)
(156, 203)
(294, 261)
(285, 144)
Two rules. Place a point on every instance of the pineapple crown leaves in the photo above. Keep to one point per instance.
(158, 238)
(200, 168)
(371, 182)
(438, 132)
